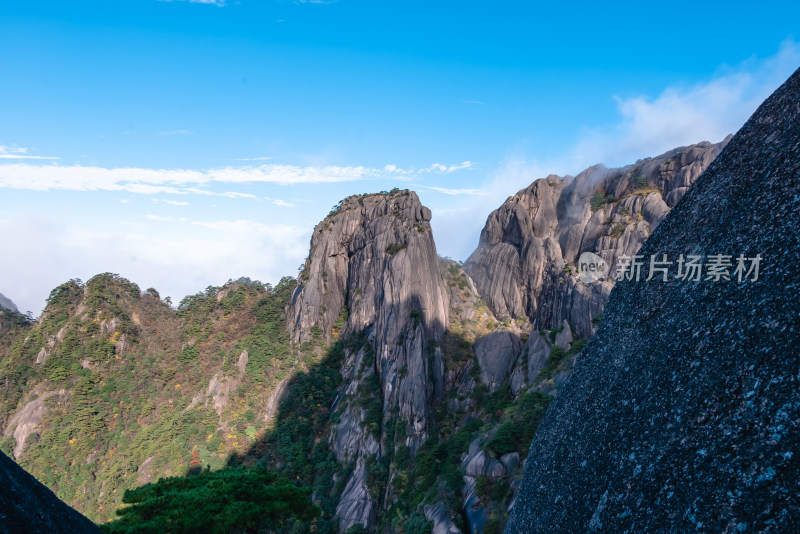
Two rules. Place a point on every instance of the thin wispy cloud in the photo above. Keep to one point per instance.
(13, 152)
(682, 115)
(184, 181)
(226, 194)
(449, 191)
(265, 158)
(280, 202)
(646, 125)
(447, 169)
(477, 102)
(170, 202)
(446, 211)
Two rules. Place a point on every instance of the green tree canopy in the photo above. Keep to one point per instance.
(232, 500)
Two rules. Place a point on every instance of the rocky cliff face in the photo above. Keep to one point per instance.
(525, 263)
(682, 411)
(28, 506)
(373, 268)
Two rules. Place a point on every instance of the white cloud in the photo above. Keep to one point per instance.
(458, 220)
(447, 169)
(446, 211)
(679, 115)
(448, 191)
(685, 114)
(227, 194)
(181, 258)
(176, 181)
(13, 152)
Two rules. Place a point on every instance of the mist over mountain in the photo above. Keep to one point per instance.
(6, 303)
(526, 263)
(386, 389)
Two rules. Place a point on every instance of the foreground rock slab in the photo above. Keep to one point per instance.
(683, 412)
(28, 506)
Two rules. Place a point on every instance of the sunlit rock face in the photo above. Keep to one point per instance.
(682, 411)
(527, 260)
(373, 261)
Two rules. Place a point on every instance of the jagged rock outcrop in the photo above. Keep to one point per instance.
(683, 411)
(144, 474)
(373, 261)
(6, 303)
(356, 505)
(483, 465)
(564, 338)
(538, 352)
(442, 524)
(221, 387)
(496, 353)
(525, 263)
(28, 506)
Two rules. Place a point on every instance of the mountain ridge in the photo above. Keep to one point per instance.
(379, 377)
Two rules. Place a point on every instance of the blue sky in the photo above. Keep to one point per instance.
(183, 143)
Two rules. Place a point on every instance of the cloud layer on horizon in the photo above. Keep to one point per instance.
(179, 258)
(177, 181)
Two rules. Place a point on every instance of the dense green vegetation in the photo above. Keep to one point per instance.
(600, 199)
(559, 356)
(139, 408)
(504, 424)
(231, 500)
(297, 446)
(136, 372)
(519, 424)
(394, 248)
